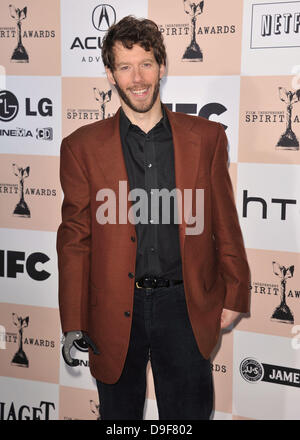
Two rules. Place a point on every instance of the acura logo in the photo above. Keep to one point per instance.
(104, 16)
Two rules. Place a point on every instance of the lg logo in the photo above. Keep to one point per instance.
(9, 106)
(13, 265)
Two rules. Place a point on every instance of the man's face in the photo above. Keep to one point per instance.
(136, 77)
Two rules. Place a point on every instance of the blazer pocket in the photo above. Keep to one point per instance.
(94, 293)
(210, 277)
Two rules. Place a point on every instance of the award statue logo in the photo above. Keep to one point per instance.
(201, 37)
(267, 105)
(288, 140)
(20, 358)
(21, 209)
(283, 313)
(103, 98)
(20, 54)
(95, 409)
(193, 51)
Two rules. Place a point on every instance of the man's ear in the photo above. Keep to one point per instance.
(162, 70)
(110, 75)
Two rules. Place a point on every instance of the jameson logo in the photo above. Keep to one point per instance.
(102, 98)
(253, 371)
(26, 412)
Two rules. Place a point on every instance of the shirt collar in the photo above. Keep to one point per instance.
(125, 123)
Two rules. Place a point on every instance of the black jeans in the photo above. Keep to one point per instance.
(182, 376)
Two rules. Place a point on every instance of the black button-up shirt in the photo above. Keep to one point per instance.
(149, 159)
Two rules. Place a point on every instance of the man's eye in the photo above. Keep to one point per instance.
(124, 68)
(147, 64)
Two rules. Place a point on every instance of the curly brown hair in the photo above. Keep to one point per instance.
(130, 31)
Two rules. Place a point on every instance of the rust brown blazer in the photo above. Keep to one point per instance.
(97, 262)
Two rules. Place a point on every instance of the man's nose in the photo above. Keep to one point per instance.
(137, 76)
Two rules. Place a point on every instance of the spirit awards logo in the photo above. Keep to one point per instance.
(273, 118)
(193, 51)
(288, 140)
(20, 54)
(103, 98)
(253, 371)
(91, 114)
(283, 313)
(20, 358)
(21, 209)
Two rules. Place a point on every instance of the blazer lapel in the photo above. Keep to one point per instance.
(187, 151)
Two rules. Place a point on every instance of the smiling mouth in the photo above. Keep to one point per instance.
(140, 92)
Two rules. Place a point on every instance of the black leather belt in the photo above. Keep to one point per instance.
(151, 282)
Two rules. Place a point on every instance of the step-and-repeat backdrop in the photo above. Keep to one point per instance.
(235, 62)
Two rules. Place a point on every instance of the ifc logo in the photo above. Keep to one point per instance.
(251, 370)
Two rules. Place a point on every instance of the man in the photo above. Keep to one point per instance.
(151, 289)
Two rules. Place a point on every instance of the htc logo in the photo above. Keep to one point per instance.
(283, 203)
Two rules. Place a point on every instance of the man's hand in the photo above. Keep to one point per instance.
(68, 342)
(227, 317)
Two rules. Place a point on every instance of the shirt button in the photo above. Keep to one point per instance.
(132, 238)
(152, 249)
(127, 313)
(151, 220)
(149, 165)
(131, 275)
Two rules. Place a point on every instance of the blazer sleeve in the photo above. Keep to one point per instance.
(231, 252)
(73, 242)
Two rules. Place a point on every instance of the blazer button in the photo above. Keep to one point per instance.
(131, 275)
(132, 238)
(127, 313)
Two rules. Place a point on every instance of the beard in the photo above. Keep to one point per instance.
(143, 107)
